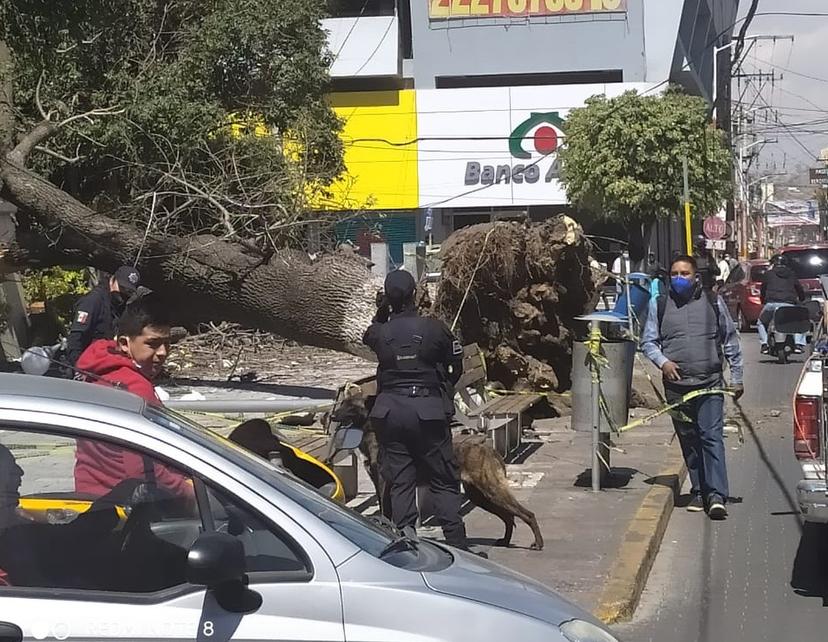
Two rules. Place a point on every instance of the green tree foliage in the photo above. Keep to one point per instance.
(217, 119)
(623, 157)
(59, 288)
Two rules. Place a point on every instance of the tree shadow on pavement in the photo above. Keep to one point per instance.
(793, 505)
(810, 570)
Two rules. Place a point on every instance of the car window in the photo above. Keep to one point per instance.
(266, 550)
(357, 529)
(808, 264)
(757, 272)
(91, 515)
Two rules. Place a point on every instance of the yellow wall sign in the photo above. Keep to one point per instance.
(444, 9)
(380, 140)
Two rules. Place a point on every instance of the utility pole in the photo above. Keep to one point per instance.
(737, 214)
(688, 224)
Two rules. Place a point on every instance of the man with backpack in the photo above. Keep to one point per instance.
(688, 336)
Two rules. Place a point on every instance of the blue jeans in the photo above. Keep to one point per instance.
(702, 441)
(767, 313)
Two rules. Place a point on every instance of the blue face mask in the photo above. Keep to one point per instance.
(682, 286)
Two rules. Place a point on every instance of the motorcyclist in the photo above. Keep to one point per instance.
(780, 288)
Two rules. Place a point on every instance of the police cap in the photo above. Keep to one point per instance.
(399, 287)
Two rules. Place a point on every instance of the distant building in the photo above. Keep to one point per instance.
(460, 106)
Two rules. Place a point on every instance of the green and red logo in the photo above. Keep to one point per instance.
(544, 130)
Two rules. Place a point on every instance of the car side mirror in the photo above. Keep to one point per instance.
(214, 559)
(36, 361)
(217, 561)
(347, 439)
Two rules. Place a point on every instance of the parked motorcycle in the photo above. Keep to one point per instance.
(783, 325)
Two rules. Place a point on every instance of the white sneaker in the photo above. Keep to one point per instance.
(717, 509)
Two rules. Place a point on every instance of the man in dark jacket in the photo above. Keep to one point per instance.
(96, 313)
(419, 363)
(688, 335)
(780, 288)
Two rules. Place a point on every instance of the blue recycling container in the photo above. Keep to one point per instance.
(640, 292)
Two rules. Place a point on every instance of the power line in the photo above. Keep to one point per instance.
(791, 71)
(811, 155)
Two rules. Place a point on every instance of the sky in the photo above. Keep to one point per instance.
(802, 102)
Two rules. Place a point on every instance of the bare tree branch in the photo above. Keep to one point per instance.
(50, 152)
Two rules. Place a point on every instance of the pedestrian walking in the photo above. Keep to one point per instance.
(724, 269)
(780, 289)
(96, 313)
(688, 335)
(419, 363)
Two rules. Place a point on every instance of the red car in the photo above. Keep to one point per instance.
(742, 292)
(743, 289)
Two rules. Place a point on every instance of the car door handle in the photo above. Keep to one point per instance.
(10, 632)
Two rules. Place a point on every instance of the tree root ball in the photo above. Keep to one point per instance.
(526, 283)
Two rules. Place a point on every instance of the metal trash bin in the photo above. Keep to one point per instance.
(616, 384)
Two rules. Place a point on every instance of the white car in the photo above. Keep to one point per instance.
(810, 444)
(240, 551)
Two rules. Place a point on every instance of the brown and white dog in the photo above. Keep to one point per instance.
(482, 469)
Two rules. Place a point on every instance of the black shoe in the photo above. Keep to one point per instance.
(716, 509)
(696, 504)
(799, 350)
(764, 349)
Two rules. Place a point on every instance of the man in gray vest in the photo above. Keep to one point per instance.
(688, 335)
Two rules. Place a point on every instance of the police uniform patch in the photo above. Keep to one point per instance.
(82, 317)
(456, 348)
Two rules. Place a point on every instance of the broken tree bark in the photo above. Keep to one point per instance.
(326, 303)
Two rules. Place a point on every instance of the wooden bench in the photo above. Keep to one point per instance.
(501, 415)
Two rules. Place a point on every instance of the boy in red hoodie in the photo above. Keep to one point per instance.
(129, 362)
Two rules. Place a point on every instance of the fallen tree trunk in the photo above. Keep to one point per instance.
(518, 289)
(326, 303)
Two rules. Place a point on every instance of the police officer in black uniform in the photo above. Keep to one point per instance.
(96, 314)
(419, 363)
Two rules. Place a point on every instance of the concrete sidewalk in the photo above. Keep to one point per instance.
(598, 546)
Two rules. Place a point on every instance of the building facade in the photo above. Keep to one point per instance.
(453, 110)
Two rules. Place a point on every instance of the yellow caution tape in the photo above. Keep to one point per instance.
(671, 407)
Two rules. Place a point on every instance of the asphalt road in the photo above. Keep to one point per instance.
(760, 575)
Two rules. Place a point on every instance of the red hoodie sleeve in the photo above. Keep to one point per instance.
(177, 483)
(141, 386)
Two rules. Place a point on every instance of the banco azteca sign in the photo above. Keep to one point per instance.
(536, 141)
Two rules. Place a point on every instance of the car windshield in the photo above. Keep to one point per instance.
(808, 264)
(757, 272)
(357, 529)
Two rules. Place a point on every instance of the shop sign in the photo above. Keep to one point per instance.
(451, 9)
(538, 136)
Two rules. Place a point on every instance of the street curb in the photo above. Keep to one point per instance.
(641, 543)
